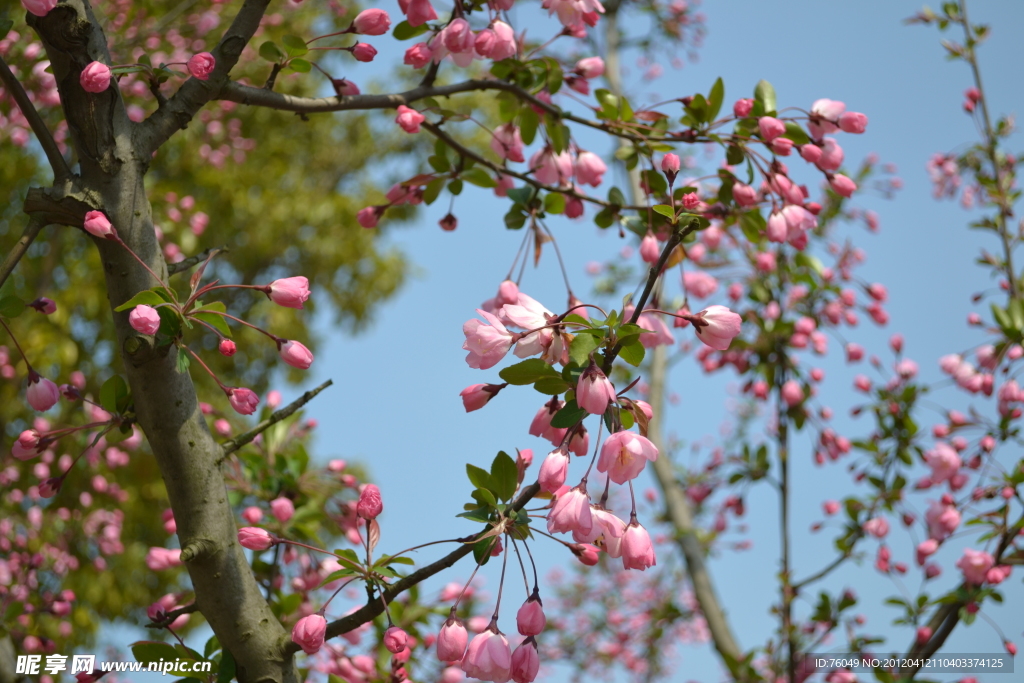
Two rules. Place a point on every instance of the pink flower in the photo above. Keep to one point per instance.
(942, 520)
(943, 461)
(243, 400)
(487, 343)
(624, 455)
(530, 619)
(700, 284)
(42, 394)
(831, 507)
(418, 12)
(309, 633)
(589, 169)
(594, 392)
(418, 56)
(252, 514)
(227, 347)
(344, 87)
(975, 564)
(44, 305)
(451, 641)
(770, 127)
(488, 658)
(824, 114)
(744, 195)
(853, 122)
(876, 526)
(201, 65)
(370, 503)
(144, 319)
(282, 508)
(95, 77)
(717, 326)
(586, 553)
(159, 559)
(525, 662)
(97, 225)
(649, 249)
(571, 512)
(255, 538)
(670, 164)
(363, 52)
(792, 393)
(409, 119)
(497, 42)
(637, 551)
(395, 639)
(507, 142)
(550, 168)
(842, 185)
(553, 471)
(296, 355)
(40, 8)
(290, 292)
(742, 108)
(372, 22)
(925, 549)
(590, 67)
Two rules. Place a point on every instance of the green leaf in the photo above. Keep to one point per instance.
(482, 550)
(114, 395)
(226, 670)
(271, 52)
(170, 323)
(404, 31)
(568, 416)
(391, 559)
(551, 386)
(294, 46)
(616, 197)
(212, 645)
(433, 188)
(633, 353)
(485, 497)
(476, 515)
(527, 372)
(479, 177)
(147, 297)
(479, 477)
(581, 347)
(764, 94)
(515, 218)
(665, 210)
(300, 65)
(505, 475)
(183, 360)
(146, 651)
(554, 203)
(11, 307)
(528, 123)
(521, 195)
(604, 218)
(715, 99)
(5, 26)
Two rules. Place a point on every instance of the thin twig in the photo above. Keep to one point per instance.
(32, 230)
(58, 163)
(233, 445)
(169, 617)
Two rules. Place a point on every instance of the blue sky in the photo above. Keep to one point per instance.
(395, 404)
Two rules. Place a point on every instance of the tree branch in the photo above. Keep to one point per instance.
(375, 606)
(180, 266)
(176, 114)
(233, 445)
(57, 161)
(32, 230)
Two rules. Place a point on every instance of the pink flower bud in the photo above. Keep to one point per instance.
(637, 551)
(97, 225)
(811, 153)
(497, 42)
(590, 67)
(571, 512)
(452, 640)
(489, 657)
(42, 394)
(530, 619)
(594, 391)
(924, 634)
(296, 355)
(44, 305)
(507, 143)
(372, 22)
(670, 163)
(770, 127)
(525, 662)
(842, 185)
(368, 217)
(418, 12)
(290, 292)
(476, 396)
(418, 56)
(649, 249)
(370, 504)
(144, 319)
(590, 169)
(553, 471)
(717, 326)
(853, 122)
(742, 108)
(40, 8)
(448, 222)
(201, 65)
(831, 507)
(586, 553)
(282, 508)
(744, 195)
(50, 487)
(344, 87)
(95, 77)
(243, 400)
(363, 52)
(252, 514)
(792, 393)
(159, 559)
(876, 526)
(409, 119)
(227, 347)
(255, 538)
(690, 202)
(395, 639)
(309, 633)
